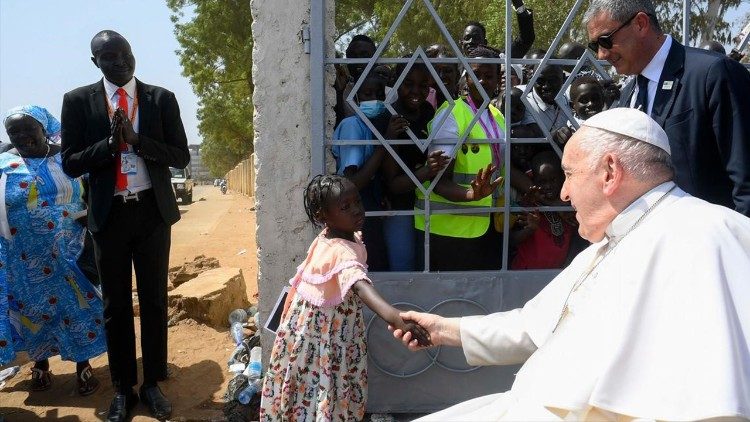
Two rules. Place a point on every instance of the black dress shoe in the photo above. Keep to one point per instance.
(121, 406)
(157, 404)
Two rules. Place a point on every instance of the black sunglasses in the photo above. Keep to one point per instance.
(605, 41)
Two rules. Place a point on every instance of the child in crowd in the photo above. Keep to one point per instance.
(414, 112)
(361, 163)
(318, 366)
(586, 97)
(360, 47)
(448, 73)
(542, 239)
(542, 99)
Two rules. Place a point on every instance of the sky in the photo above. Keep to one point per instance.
(44, 51)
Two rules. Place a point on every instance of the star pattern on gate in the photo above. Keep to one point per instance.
(419, 55)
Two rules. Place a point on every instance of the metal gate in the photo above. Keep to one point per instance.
(401, 381)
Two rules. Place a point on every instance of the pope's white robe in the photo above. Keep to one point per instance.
(659, 330)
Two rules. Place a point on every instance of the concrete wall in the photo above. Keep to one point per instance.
(281, 73)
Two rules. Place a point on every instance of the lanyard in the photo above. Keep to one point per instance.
(111, 112)
(496, 148)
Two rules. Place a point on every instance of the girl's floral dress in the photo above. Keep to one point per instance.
(318, 367)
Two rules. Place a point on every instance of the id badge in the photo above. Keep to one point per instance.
(128, 163)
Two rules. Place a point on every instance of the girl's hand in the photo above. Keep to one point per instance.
(396, 126)
(417, 332)
(441, 331)
(532, 220)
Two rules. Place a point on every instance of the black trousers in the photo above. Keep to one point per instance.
(134, 236)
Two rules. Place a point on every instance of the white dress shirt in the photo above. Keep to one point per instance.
(652, 72)
(140, 180)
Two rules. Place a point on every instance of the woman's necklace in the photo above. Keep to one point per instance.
(598, 260)
(35, 172)
(555, 226)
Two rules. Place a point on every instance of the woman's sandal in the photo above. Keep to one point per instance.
(87, 383)
(41, 380)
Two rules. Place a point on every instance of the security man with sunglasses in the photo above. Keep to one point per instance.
(700, 98)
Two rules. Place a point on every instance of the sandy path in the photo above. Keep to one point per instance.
(214, 225)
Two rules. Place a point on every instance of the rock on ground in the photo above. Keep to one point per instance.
(181, 274)
(209, 297)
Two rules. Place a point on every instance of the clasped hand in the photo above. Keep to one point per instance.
(122, 129)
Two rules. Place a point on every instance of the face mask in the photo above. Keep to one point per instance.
(372, 108)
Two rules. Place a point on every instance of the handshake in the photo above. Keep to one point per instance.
(121, 131)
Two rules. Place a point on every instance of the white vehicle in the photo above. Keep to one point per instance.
(182, 183)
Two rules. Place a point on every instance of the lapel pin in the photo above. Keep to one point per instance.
(667, 85)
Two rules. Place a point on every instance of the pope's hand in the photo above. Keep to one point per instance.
(431, 323)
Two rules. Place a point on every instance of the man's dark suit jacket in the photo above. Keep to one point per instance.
(706, 115)
(85, 132)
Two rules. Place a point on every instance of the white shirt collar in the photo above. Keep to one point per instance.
(654, 68)
(111, 88)
(540, 102)
(625, 220)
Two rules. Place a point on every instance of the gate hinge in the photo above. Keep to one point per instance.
(304, 37)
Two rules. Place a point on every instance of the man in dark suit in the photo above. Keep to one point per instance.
(126, 134)
(700, 98)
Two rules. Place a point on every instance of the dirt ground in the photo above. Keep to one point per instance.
(222, 226)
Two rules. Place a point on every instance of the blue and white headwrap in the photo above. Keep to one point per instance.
(50, 124)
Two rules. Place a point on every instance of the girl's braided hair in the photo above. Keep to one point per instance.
(321, 189)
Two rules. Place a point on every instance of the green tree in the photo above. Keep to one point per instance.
(418, 27)
(706, 19)
(216, 55)
(374, 17)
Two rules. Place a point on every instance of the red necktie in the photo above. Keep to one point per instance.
(121, 182)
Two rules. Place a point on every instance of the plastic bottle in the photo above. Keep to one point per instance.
(254, 367)
(248, 392)
(238, 334)
(253, 372)
(238, 315)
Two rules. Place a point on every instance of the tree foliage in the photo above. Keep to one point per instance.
(216, 55)
(374, 17)
(419, 28)
(706, 19)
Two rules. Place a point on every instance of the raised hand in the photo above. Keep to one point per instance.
(396, 126)
(436, 161)
(562, 135)
(528, 221)
(483, 185)
(532, 198)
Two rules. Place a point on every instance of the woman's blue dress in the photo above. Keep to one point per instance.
(52, 308)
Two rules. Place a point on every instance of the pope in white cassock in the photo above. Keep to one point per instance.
(650, 322)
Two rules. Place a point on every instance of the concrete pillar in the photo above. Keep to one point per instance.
(281, 73)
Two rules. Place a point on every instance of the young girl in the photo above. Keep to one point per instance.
(318, 367)
(542, 239)
(414, 112)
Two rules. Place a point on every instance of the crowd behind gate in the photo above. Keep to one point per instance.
(473, 177)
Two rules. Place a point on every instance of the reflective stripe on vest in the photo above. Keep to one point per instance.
(466, 166)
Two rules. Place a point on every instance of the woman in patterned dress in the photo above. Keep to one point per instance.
(52, 308)
(318, 367)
